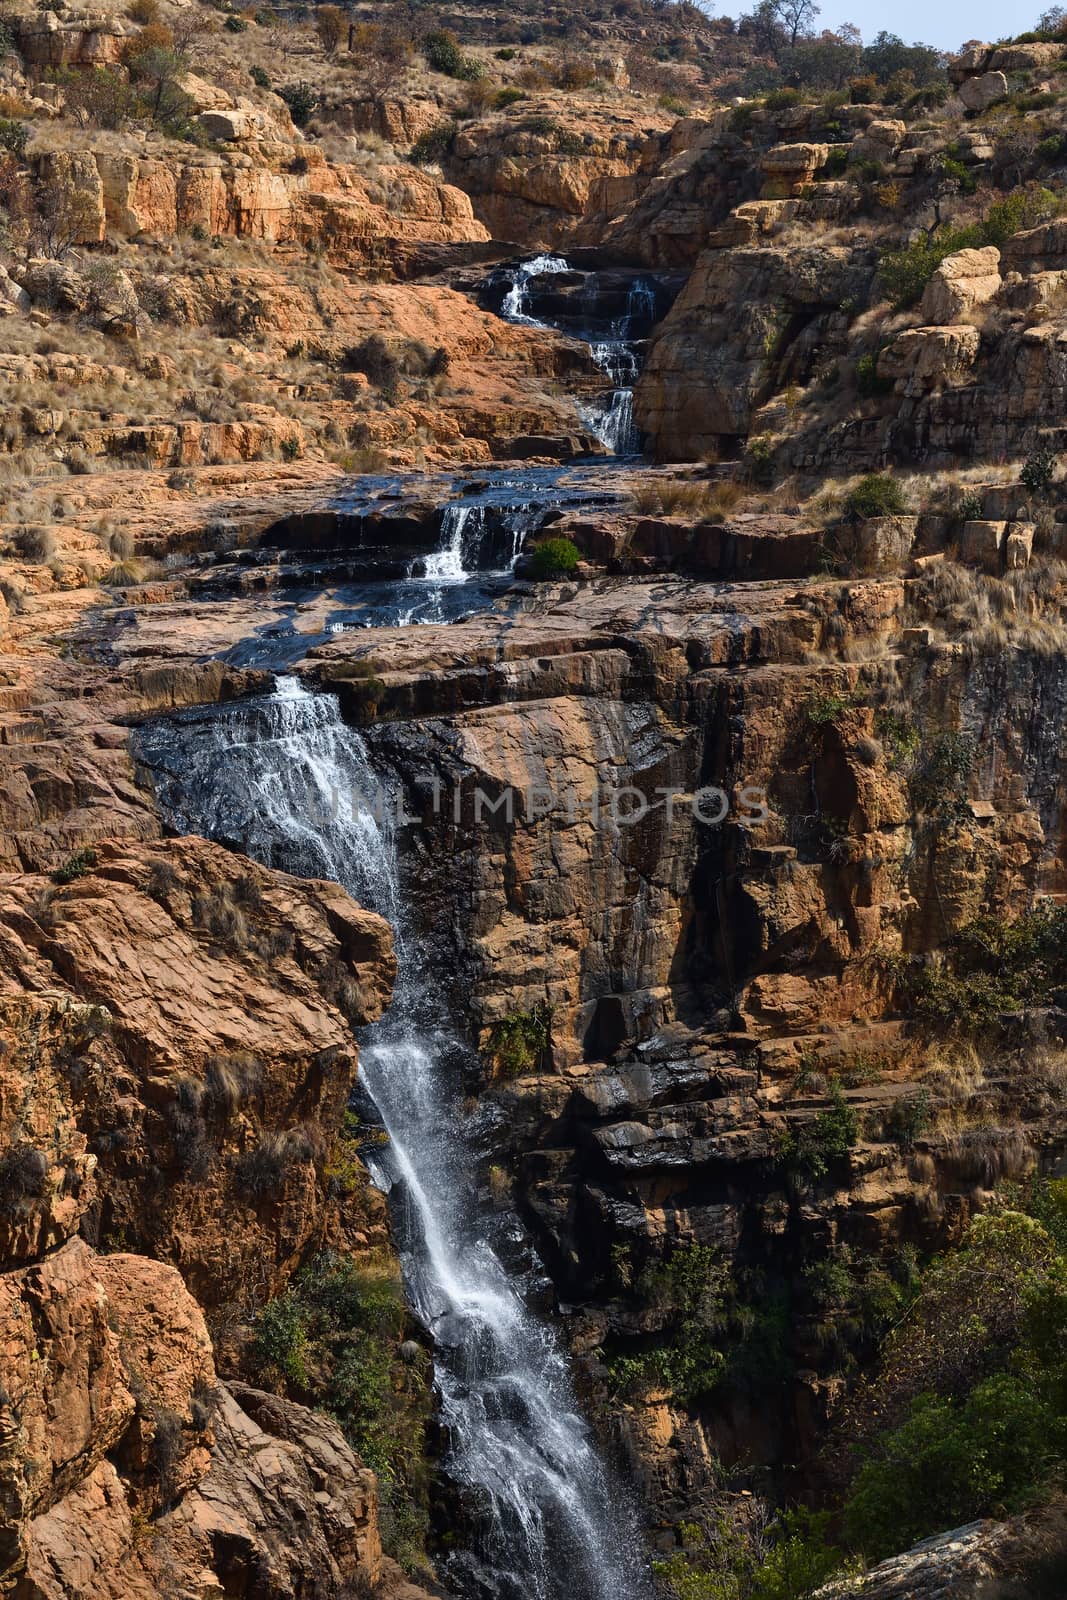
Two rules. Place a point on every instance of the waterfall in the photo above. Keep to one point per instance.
(446, 565)
(611, 420)
(516, 306)
(285, 780)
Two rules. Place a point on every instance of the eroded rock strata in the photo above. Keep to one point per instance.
(693, 832)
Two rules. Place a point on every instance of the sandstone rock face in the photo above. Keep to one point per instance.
(718, 957)
(691, 190)
(1036, 57)
(332, 204)
(73, 1328)
(961, 285)
(884, 544)
(184, 1008)
(204, 1048)
(880, 141)
(110, 1391)
(536, 183)
(89, 39)
(982, 544)
(744, 318)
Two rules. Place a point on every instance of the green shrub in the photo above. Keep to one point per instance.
(520, 1042)
(940, 781)
(826, 706)
(687, 1293)
(759, 460)
(1052, 149)
(725, 1563)
(433, 145)
(442, 52)
(741, 118)
(951, 1463)
(868, 379)
(281, 1338)
(336, 1337)
(76, 866)
(900, 736)
(260, 78)
(508, 97)
(1038, 470)
(292, 449)
(14, 136)
(301, 99)
(991, 967)
(908, 1117)
(235, 23)
(905, 273)
(554, 558)
(877, 495)
(818, 1144)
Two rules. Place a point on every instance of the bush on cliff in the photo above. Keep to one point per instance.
(554, 558)
(336, 1339)
(878, 495)
(990, 967)
(301, 99)
(788, 1560)
(970, 1407)
(812, 1150)
(905, 273)
(520, 1042)
(443, 54)
(433, 145)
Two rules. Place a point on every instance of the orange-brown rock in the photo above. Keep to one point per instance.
(200, 995)
(110, 1395)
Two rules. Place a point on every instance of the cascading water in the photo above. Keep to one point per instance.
(284, 779)
(516, 306)
(612, 421)
(447, 564)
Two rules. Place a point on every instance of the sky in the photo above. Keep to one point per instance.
(946, 23)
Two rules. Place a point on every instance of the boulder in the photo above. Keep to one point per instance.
(1019, 545)
(961, 284)
(978, 94)
(923, 359)
(973, 60)
(228, 126)
(1037, 57)
(879, 142)
(793, 165)
(982, 544)
(1037, 249)
(883, 544)
(12, 294)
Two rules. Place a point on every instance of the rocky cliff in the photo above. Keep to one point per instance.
(752, 824)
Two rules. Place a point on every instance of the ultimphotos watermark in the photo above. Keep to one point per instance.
(615, 806)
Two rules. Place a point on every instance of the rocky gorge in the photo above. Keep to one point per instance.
(532, 958)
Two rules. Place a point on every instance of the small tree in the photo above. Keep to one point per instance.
(160, 69)
(64, 215)
(797, 18)
(331, 27)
